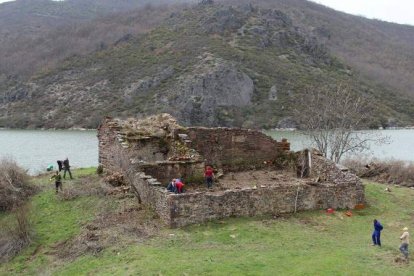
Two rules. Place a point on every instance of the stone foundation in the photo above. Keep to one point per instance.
(149, 165)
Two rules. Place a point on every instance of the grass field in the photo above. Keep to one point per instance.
(309, 243)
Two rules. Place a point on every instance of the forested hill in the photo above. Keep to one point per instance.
(236, 63)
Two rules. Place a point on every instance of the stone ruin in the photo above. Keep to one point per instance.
(255, 175)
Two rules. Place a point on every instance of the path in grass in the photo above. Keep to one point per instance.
(310, 243)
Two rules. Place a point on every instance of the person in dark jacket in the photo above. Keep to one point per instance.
(171, 187)
(66, 168)
(376, 235)
(60, 165)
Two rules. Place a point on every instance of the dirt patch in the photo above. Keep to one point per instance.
(125, 225)
(399, 260)
(250, 179)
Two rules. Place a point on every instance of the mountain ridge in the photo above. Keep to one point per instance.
(193, 65)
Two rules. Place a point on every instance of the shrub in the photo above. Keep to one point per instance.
(100, 170)
(14, 185)
(389, 172)
(17, 235)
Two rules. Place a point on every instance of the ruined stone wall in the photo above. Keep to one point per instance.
(148, 150)
(151, 193)
(234, 149)
(192, 208)
(326, 170)
(165, 171)
(115, 156)
(109, 149)
(225, 147)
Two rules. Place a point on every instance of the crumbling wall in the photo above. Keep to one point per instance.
(109, 149)
(326, 170)
(232, 149)
(166, 171)
(149, 150)
(235, 149)
(199, 207)
(151, 193)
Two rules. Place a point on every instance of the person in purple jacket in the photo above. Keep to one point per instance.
(376, 235)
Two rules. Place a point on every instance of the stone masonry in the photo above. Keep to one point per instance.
(152, 151)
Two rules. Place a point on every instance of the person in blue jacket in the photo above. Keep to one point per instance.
(376, 235)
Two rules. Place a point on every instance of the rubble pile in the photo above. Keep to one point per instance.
(161, 126)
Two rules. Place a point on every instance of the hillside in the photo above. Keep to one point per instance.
(91, 230)
(380, 51)
(241, 65)
(39, 33)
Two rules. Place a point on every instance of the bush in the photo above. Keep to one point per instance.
(14, 185)
(17, 235)
(388, 172)
(99, 170)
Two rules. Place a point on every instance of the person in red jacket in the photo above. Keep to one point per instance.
(179, 186)
(209, 175)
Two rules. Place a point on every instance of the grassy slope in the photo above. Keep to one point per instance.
(309, 243)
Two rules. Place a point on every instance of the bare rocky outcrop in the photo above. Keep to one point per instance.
(144, 85)
(212, 83)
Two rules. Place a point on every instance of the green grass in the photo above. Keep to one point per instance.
(309, 243)
(53, 220)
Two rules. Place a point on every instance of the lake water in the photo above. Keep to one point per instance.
(399, 147)
(35, 149)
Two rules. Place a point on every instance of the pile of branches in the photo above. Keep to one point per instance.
(387, 172)
(15, 185)
(115, 179)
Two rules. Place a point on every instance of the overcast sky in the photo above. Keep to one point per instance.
(399, 11)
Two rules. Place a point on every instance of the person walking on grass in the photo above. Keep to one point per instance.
(404, 243)
(58, 181)
(66, 168)
(376, 235)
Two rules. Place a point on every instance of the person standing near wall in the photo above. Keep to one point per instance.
(209, 175)
(376, 235)
(404, 243)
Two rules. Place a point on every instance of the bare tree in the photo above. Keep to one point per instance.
(334, 118)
